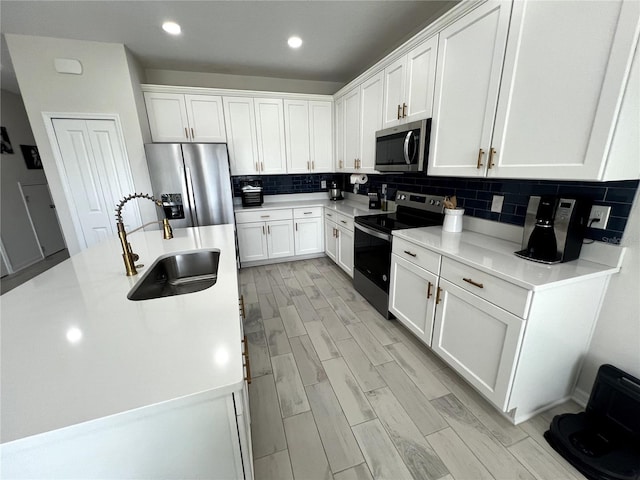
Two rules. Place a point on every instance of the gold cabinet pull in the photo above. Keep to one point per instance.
(404, 110)
(247, 365)
(242, 309)
(492, 153)
(265, 216)
(296, 226)
(410, 253)
(329, 215)
(186, 132)
(313, 165)
(342, 221)
(340, 164)
(429, 285)
(399, 115)
(193, 135)
(262, 166)
(335, 233)
(268, 229)
(480, 154)
(257, 167)
(438, 292)
(308, 166)
(263, 231)
(475, 284)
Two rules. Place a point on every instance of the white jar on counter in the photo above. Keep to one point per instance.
(453, 220)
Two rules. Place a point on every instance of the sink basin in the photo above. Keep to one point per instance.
(177, 274)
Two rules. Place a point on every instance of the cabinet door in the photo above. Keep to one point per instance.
(394, 83)
(167, 117)
(478, 340)
(330, 241)
(296, 120)
(370, 121)
(344, 254)
(321, 136)
(270, 133)
(340, 132)
(280, 239)
(308, 236)
(351, 129)
(421, 77)
(564, 52)
(241, 135)
(252, 241)
(470, 53)
(206, 118)
(412, 296)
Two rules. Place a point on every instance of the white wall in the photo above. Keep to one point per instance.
(219, 80)
(18, 237)
(616, 339)
(105, 86)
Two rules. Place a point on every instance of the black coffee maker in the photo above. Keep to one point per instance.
(554, 229)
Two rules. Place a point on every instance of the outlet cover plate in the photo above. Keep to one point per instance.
(602, 213)
(496, 204)
(323, 184)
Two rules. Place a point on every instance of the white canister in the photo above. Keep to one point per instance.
(453, 220)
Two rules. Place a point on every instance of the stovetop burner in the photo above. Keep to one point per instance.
(413, 210)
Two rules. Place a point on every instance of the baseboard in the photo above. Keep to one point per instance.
(271, 261)
(580, 397)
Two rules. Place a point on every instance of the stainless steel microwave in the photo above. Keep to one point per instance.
(404, 148)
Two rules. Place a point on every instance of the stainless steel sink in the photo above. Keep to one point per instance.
(177, 274)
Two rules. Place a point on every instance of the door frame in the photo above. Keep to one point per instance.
(33, 227)
(48, 118)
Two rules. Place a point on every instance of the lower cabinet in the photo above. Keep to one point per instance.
(339, 240)
(308, 230)
(265, 234)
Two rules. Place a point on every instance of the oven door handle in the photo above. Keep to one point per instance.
(373, 233)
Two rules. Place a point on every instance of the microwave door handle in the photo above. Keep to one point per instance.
(406, 147)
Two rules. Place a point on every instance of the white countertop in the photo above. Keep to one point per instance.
(131, 354)
(346, 207)
(495, 256)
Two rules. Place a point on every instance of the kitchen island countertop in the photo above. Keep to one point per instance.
(75, 349)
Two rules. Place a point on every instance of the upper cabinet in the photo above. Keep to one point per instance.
(270, 135)
(563, 77)
(308, 129)
(409, 84)
(175, 117)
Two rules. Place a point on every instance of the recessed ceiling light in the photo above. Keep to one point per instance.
(171, 27)
(294, 42)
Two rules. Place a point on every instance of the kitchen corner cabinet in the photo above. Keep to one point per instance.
(338, 232)
(175, 117)
(265, 234)
(409, 85)
(255, 128)
(309, 144)
(308, 230)
(565, 89)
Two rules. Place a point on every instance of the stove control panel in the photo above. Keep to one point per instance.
(421, 201)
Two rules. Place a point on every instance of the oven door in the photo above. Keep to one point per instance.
(372, 255)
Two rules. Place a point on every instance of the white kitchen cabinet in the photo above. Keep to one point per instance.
(339, 125)
(270, 136)
(371, 98)
(175, 117)
(252, 241)
(470, 53)
(280, 241)
(351, 134)
(308, 230)
(309, 144)
(412, 290)
(339, 239)
(409, 85)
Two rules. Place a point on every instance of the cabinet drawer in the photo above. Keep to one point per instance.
(344, 222)
(263, 215)
(505, 295)
(417, 255)
(307, 212)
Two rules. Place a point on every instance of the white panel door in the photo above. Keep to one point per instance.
(321, 136)
(167, 117)
(96, 176)
(241, 135)
(280, 238)
(372, 92)
(470, 55)
(43, 215)
(206, 118)
(421, 77)
(272, 153)
(394, 84)
(412, 295)
(351, 129)
(252, 241)
(296, 120)
(330, 241)
(308, 236)
(344, 255)
(478, 340)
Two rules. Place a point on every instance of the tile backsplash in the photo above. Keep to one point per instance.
(475, 195)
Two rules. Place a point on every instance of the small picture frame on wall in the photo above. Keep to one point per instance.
(6, 143)
(31, 157)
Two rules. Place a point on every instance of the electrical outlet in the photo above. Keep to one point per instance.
(323, 184)
(496, 204)
(601, 213)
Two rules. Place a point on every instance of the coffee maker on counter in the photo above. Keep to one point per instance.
(554, 229)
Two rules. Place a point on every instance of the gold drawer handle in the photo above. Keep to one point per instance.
(429, 285)
(492, 154)
(410, 253)
(308, 213)
(399, 114)
(343, 222)
(438, 292)
(404, 110)
(242, 309)
(480, 154)
(247, 364)
(265, 216)
(476, 284)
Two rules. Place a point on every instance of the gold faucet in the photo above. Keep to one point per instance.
(127, 253)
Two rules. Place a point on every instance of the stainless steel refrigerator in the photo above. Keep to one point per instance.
(193, 181)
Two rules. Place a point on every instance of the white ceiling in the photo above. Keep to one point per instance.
(341, 38)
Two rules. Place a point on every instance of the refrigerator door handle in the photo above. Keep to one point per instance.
(192, 198)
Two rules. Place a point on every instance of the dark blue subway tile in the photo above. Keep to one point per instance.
(621, 195)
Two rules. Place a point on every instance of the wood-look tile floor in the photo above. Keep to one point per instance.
(339, 392)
